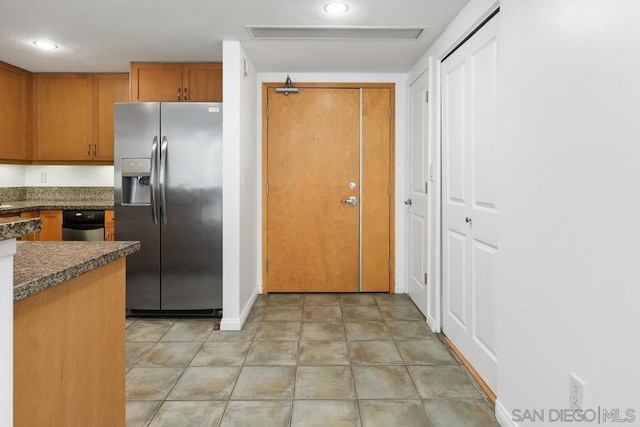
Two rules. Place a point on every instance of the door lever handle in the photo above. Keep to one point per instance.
(350, 201)
(407, 202)
(467, 220)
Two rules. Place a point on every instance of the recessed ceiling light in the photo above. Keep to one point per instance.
(336, 8)
(45, 45)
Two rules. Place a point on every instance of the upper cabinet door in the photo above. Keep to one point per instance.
(15, 87)
(156, 82)
(107, 90)
(64, 114)
(202, 82)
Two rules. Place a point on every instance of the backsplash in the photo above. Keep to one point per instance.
(8, 194)
(12, 194)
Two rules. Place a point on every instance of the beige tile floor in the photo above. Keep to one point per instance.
(301, 360)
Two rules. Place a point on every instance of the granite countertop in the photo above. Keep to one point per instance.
(36, 205)
(40, 265)
(12, 228)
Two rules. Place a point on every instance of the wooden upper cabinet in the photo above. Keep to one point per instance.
(15, 113)
(152, 81)
(202, 82)
(64, 116)
(176, 82)
(75, 115)
(107, 90)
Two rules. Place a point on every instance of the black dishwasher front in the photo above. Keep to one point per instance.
(83, 225)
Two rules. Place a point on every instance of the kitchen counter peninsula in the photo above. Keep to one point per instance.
(38, 266)
(12, 228)
(69, 333)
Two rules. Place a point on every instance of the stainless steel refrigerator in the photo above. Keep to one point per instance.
(168, 195)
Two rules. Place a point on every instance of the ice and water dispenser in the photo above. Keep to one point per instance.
(136, 174)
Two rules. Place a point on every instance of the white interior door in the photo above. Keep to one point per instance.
(418, 224)
(469, 198)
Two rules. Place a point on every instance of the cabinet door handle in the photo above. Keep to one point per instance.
(185, 94)
(89, 150)
(95, 151)
(178, 94)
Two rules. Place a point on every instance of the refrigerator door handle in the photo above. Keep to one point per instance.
(152, 180)
(163, 179)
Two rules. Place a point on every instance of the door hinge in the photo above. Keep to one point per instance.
(267, 265)
(425, 278)
(426, 188)
(267, 190)
(267, 113)
(426, 97)
(390, 112)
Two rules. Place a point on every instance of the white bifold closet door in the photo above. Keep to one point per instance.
(469, 198)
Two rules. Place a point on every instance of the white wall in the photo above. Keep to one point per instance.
(69, 176)
(569, 182)
(7, 249)
(12, 175)
(57, 176)
(400, 81)
(240, 193)
(474, 13)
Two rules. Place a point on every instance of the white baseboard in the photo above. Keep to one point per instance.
(503, 417)
(230, 324)
(247, 308)
(235, 324)
(431, 322)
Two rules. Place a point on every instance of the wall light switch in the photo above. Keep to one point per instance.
(43, 177)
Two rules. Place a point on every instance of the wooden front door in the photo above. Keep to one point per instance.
(312, 157)
(328, 166)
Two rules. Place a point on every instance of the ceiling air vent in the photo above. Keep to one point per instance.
(265, 32)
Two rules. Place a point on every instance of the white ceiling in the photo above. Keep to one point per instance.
(106, 35)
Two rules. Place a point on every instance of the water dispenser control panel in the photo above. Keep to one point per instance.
(135, 167)
(136, 173)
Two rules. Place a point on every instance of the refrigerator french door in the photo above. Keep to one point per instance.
(168, 195)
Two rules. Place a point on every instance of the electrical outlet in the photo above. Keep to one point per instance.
(43, 177)
(576, 392)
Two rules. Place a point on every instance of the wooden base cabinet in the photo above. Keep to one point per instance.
(109, 226)
(51, 225)
(176, 82)
(69, 352)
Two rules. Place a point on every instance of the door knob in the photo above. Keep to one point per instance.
(350, 201)
(407, 202)
(467, 220)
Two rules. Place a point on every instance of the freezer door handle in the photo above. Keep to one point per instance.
(163, 179)
(152, 180)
